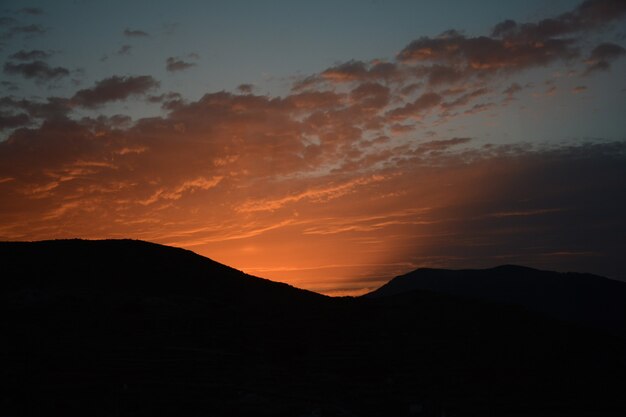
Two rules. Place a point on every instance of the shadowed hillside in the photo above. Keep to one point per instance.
(129, 328)
(582, 298)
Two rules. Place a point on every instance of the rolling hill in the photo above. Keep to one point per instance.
(130, 328)
(586, 299)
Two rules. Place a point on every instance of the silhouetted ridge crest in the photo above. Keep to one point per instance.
(130, 328)
(126, 265)
(582, 298)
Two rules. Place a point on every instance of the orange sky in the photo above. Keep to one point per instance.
(461, 151)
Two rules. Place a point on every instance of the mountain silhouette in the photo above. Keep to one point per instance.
(130, 328)
(587, 299)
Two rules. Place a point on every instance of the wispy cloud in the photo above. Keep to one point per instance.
(135, 33)
(320, 194)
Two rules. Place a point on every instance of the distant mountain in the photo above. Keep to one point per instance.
(130, 328)
(587, 299)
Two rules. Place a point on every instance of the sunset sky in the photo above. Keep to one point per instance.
(328, 144)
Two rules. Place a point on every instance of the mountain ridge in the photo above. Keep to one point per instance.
(110, 328)
(579, 297)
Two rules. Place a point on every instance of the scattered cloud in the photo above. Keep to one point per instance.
(27, 30)
(135, 33)
(321, 194)
(417, 108)
(34, 54)
(512, 89)
(460, 55)
(438, 201)
(9, 85)
(53, 108)
(30, 30)
(455, 58)
(245, 88)
(114, 88)
(173, 64)
(124, 50)
(168, 101)
(355, 160)
(603, 55)
(38, 70)
(589, 15)
(10, 121)
(7, 21)
(33, 11)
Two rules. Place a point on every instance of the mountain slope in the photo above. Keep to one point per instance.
(582, 298)
(128, 266)
(121, 328)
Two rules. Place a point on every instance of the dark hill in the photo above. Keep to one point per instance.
(128, 328)
(587, 299)
(130, 267)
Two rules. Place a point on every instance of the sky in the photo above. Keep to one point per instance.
(331, 145)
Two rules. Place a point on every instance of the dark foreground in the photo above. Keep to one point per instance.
(128, 328)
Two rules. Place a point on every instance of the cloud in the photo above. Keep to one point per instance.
(290, 173)
(352, 71)
(28, 30)
(134, 33)
(173, 64)
(358, 70)
(10, 121)
(52, 108)
(7, 21)
(169, 101)
(124, 50)
(245, 88)
(417, 108)
(439, 145)
(371, 96)
(465, 98)
(199, 183)
(589, 15)
(37, 70)
(602, 56)
(9, 86)
(321, 194)
(365, 163)
(33, 11)
(114, 88)
(512, 89)
(457, 73)
(484, 54)
(34, 54)
(455, 58)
